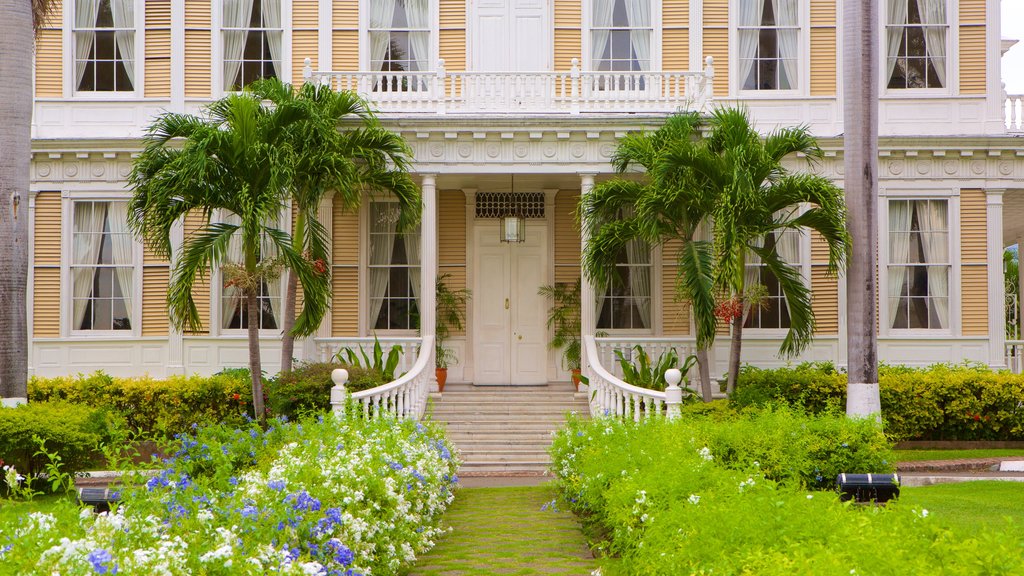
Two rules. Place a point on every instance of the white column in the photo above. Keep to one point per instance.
(177, 56)
(996, 287)
(325, 215)
(428, 266)
(588, 302)
(325, 35)
(696, 31)
(175, 339)
(30, 288)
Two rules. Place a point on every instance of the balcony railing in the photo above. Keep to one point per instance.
(572, 92)
(1013, 108)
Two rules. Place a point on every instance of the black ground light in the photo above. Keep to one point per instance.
(878, 488)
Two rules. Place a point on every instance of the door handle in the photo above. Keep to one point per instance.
(506, 303)
(520, 336)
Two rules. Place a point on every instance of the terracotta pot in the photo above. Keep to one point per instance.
(442, 377)
(576, 378)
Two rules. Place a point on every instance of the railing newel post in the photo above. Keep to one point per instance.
(673, 393)
(338, 393)
(574, 96)
(439, 79)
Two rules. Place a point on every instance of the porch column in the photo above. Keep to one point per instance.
(588, 302)
(175, 337)
(996, 287)
(310, 348)
(1020, 301)
(428, 267)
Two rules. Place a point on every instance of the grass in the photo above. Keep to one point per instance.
(11, 510)
(968, 506)
(506, 531)
(915, 455)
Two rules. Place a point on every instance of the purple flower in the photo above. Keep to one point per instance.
(102, 562)
(276, 485)
(233, 481)
(250, 512)
(342, 554)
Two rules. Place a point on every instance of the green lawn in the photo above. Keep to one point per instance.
(971, 505)
(11, 510)
(914, 455)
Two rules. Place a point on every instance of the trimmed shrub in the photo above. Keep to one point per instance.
(71, 430)
(157, 408)
(307, 388)
(941, 402)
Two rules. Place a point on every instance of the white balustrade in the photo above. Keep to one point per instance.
(1013, 109)
(652, 346)
(329, 347)
(1015, 356)
(405, 397)
(611, 396)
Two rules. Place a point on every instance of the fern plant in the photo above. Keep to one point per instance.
(639, 370)
(451, 314)
(564, 321)
(377, 362)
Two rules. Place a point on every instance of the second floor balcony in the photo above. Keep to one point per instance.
(570, 92)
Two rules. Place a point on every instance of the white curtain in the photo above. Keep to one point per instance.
(899, 253)
(88, 238)
(638, 256)
(382, 14)
(237, 14)
(231, 296)
(124, 17)
(272, 20)
(412, 255)
(418, 13)
(932, 221)
(85, 17)
(751, 274)
(382, 246)
(750, 13)
(123, 249)
(933, 17)
(787, 13)
(268, 250)
(638, 13)
(897, 20)
(603, 12)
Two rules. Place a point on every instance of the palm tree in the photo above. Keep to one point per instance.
(755, 198)
(340, 147)
(21, 18)
(662, 206)
(237, 160)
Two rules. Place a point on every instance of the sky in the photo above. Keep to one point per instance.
(1013, 62)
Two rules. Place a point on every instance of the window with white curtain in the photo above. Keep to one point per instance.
(399, 34)
(253, 42)
(768, 34)
(919, 264)
(772, 312)
(620, 35)
(394, 271)
(626, 302)
(234, 312)
(103, 40)
(102, 266)
(917, 38)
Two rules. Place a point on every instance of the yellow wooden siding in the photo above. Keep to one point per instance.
(453, 49)
(305, 44)
(197, 63)
(972, 12)
(974, 299)
(819, 249)
(154, 300)
(451, 235)
(567, 237)
(150, 257)
(973, 227)
(973, 258)
(345, 50)
(675, 55)
(716, 44)
(197, 13)
(824, 60)
(453, 13)
(49, 58)
(675, 313)
(345, 301)
(675, 13)
(47, 235)
(972, 59)
(345, 14)
(825, 300)
(345, 236)
(305, 14)
(158, 62)
(568, 45)
(46, 302)
(456, 280)
(568, 14)
(823, 12)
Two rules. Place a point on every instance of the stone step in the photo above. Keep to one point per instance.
(498, 403)
(471, 456)
(504, 469)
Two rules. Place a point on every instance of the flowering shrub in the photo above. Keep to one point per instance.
(338, 496)
(675, 498)
(307, 388)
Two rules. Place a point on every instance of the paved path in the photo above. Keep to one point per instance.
(506, 531)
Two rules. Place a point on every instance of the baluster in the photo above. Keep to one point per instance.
(636, 408)
(401, 404)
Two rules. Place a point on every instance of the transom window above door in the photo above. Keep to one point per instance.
(917, 38)
(104, 45)
(620, 35)
(768, 34)
(399, 33)
(253, 42)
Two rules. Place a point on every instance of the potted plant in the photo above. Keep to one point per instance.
(451, 314)
(564, 322)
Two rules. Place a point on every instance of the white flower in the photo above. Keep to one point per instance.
(922, 513)
(746, 484)
(694, 499)
(810, 496)
(705, 453)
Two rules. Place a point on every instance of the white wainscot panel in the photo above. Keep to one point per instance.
(921, 352)
(457, 370)
(117, 358)
(931, 117)
(85, 119)
(822, 115)
(206, 355)
(763, 352)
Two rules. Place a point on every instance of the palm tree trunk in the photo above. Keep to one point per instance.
(252, 307)
(15, 153)
(287, 339)
(736, 344)
(706, 391)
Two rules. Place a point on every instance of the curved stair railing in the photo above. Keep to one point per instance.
(405, 397)
(611, 396)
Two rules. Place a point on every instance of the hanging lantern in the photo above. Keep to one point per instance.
(513, 224)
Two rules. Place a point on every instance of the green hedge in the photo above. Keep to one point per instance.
(942, 402)
(155, 407)
(307, 388)
(71, 430)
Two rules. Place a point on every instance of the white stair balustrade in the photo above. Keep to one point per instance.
(652, 346)
(611, 396)
(405, 397)
(1015, 356)
(329, 347)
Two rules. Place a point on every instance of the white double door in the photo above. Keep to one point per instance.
(511, 35)
(509, 333)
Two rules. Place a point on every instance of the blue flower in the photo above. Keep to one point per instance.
(233, 481)
(303, 501)
(102, 562)
(276, 485)
(250, 512)
(395, 465)
(5, 549)
(342, 554)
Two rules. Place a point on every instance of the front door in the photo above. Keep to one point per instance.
(509, 334)
(511, 36)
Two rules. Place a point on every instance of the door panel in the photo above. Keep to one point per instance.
(511, 36)
(529, 336)
(491, 317)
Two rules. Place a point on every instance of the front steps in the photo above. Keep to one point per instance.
(505, 430)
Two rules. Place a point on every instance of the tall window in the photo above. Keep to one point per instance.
(916, 43)
(253, 44)
(234, 309)
(919, 264)
(399, 35)
(769, 44)
(773, 312)
(626, 302)
(620, 35)
(104, 45)
(394, 271)
(102, 267)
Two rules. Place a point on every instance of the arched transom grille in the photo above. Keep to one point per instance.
(501, 204)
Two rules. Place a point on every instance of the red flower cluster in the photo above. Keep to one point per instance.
(729, 310)
(319, 266)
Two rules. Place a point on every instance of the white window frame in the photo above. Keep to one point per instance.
(69, 198)
(952, 57)
(435, 32)
(217, 57)
(805, 273)
(366, 327)
(71, 87)
(804, 61)
(953, 213)
(217, 290)
(587, 63)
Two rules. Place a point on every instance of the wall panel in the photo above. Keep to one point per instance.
(198, 48)
(567, 237)
(345, 301)
(49, 69)
(154, 300)
(46, 302)
(47, 234)
(452, 228)
(345, 236)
